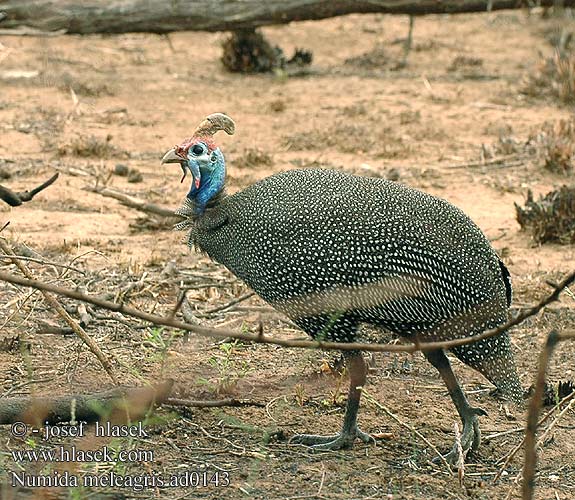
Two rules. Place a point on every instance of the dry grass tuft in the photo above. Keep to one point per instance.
(247, 51)
(95, 86)
(86, 88)
(89, 146)
(354, 110)
(555, 145)
(254, 157)
(343, 136)
(353, 138)
(465, 63)
(560, 147)
(554, 394)
(374, 59)
(303, 141)
(349, 138)
(555, 77)
(551, 218)
(278, 106)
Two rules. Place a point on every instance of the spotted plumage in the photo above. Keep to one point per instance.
(334, 251)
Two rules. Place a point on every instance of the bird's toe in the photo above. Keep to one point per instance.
(470, 439)
(312, 439)
(339, 441)
(365, 437)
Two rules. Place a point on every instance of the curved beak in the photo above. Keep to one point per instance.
(172, 157)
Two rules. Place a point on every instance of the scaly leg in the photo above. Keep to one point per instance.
(471, 435)
(350, 431)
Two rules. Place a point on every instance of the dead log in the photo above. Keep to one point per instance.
(123, 16)
(218, 403)
(119, 405)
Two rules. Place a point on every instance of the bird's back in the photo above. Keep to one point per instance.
(322, 241)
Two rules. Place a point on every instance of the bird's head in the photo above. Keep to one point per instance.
(203, 159)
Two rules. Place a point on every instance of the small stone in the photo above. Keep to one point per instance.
(135, 176)
(121, 170)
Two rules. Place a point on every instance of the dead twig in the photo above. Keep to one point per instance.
(16, 199)
(43, 262)
(54, 304)
(500, 162)
(85, 317)
(535, 404)
(21, 385)
(231, 303)
(571, 400)
(567, 399)
(305, 344)
(460, 457)
(133, 202)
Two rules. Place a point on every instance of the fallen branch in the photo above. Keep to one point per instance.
(190, 403)
(305, 344)
(16, 199)
(122, 16)
(133, 202)
(121, 404)
(54, 304)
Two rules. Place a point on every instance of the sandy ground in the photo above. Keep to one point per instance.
(425, 124)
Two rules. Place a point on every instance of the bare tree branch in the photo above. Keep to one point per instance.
(530, 463)
(16, 199)
(306, 344)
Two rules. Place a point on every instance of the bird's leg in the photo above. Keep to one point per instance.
(471, 435)
(350, 431)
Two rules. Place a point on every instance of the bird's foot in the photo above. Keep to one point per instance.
(334, 442)
(470, 438)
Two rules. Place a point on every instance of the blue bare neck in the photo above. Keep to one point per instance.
(213, 176)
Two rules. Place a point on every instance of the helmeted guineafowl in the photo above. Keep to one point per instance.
(333, 251)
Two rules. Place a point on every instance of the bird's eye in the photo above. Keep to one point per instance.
(197, 150)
